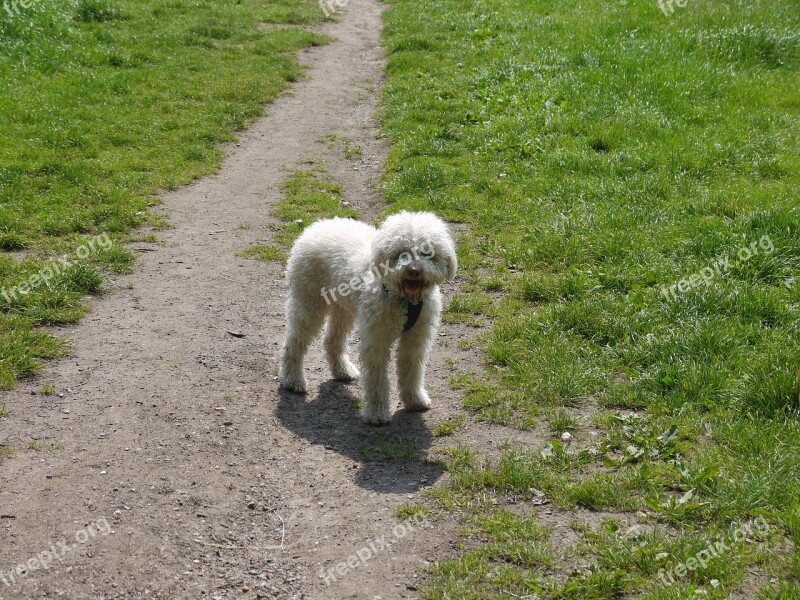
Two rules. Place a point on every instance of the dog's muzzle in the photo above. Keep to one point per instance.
(412, 282)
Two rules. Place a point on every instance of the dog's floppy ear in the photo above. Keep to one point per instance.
(444, 243)
(379, 251)
(450, 260)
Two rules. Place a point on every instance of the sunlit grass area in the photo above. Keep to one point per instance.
(309, 195)
(629, 181)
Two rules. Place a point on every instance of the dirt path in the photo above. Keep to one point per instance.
(174, 432)
(168, 464)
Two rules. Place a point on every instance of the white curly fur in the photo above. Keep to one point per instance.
(411, 253)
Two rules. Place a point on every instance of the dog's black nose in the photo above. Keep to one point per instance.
(414, 272)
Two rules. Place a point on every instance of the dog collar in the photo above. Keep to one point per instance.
(412, 311)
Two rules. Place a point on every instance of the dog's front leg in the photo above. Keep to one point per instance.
(375, 351)
(412, 354)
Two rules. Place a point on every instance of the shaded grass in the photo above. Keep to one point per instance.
(604, 156)
(105, 104)
(388, 447)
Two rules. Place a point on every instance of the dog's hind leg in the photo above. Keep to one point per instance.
(304, 320)
(340, 322)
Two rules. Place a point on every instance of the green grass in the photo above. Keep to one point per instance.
(350, 149)
(309, 196)
(388, 447)
(105, 103)
(416, 512)
(562, 420)
(448, 427)
(5, 451)
(514, 548)
(38, 446)
(602, 154)
(259, 252)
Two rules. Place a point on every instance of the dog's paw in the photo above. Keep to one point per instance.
(295, 383)
(377, 416)
(345, 371)
(417, 401)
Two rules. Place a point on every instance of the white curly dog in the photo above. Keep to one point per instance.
(387, 280)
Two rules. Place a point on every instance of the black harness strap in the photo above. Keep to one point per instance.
(412, 311)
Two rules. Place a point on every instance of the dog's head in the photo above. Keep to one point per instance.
(413, 251)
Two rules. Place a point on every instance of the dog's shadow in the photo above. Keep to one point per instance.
(390, 459)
